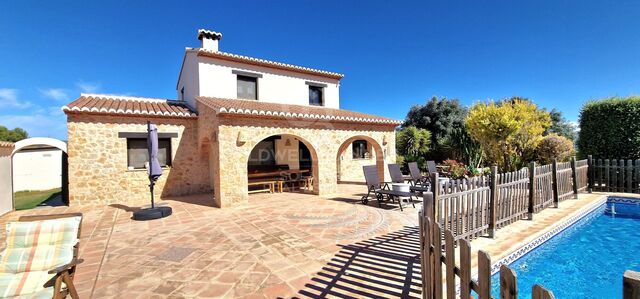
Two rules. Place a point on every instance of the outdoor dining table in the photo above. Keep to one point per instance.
(286, 174)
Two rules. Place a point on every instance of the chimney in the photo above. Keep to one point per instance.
(209, 39)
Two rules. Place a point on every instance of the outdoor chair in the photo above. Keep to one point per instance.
(396, 174)
(417, 178)
(40, 257)
(431, 167)
(375, 187)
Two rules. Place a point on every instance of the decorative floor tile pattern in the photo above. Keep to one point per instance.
(277, 246)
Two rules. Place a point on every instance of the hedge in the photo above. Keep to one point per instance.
(610, 128)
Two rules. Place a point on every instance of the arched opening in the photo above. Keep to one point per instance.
(282, 163)
(40, 173)
(354, 153)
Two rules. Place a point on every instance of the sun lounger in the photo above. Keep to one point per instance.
(417, 178)
(375, 187)
(40, 257)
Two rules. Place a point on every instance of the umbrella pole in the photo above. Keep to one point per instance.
(151, 182)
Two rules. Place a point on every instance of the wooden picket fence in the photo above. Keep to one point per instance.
(478, 206)
(614, 175)
(512, 192)
(543, 187)
(464, 206)
(442, 276)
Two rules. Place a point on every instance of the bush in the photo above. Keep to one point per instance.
(508, 131)
(610, 128)
(455, 169)
(554, 146)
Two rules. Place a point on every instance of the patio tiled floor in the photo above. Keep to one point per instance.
(279, 245)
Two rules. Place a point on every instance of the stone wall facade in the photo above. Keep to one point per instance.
(350, 169)
(324, 140)
(98, 159)
(209, 155)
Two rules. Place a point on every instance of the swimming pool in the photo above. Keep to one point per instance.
(588, 258)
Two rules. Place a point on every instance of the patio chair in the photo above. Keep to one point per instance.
(40, 257)
(375, 187)
(396, 173)
(431, 167)
(416, 175)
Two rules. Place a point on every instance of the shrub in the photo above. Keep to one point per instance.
(455, 169)
(610, 128)
(508, 131)
(554, 146)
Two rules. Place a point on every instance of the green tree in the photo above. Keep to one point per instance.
(14, 135)
(412, 145)
(560, 126)
(441, 117)
(509, 131)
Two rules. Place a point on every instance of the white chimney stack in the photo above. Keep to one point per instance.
(209, 39)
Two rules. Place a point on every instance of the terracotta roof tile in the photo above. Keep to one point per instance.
(123, 105)
(6, 144)
(248, 107)
(267, 63)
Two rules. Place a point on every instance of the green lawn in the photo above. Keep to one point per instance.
(30, 199)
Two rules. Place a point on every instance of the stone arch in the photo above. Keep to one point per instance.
(312, 151)
(377, 149)
(40, 141)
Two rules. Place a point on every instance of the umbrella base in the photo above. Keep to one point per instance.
(152, 213)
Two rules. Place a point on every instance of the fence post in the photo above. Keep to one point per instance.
(607, 176)
(630, 284)
(435, 189)
(532, 188)
(554, 180)
(574, 177)
(493, 201)
(629, 176)
(591, 171)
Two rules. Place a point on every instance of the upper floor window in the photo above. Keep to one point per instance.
(316, 96)
(247, 87)
(360, 148)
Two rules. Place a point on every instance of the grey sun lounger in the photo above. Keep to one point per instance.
(396, 174)
(375, 187)
(431, 167)
(416, 176)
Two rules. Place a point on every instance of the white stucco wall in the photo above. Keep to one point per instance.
(39, 169)
(288, 154)
(188, 79)
(6, 193)
(213, 77)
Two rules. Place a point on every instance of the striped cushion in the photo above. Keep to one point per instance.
(32, 249)
(25, 285)
(45, 232)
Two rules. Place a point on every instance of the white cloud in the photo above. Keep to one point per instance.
(9, 98)
(38, 124)
(88, 87)
(57, 94)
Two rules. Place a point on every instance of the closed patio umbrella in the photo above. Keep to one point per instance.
(154, 171)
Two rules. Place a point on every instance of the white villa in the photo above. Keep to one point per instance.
(239, 125)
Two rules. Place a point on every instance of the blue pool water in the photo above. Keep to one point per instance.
(587, 259)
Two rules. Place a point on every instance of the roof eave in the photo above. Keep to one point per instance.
(270, 64)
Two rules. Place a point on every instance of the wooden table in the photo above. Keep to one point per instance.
(275, 174)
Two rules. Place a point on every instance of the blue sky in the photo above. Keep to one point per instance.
(394, 54)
